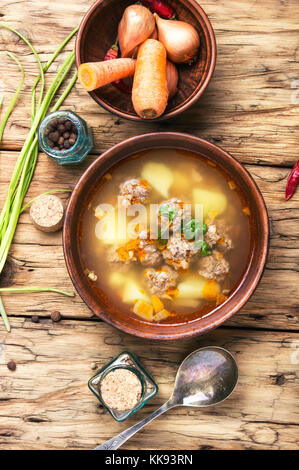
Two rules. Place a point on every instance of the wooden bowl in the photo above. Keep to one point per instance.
(98, 303)
(98, 31)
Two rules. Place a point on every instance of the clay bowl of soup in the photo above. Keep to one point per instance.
(98, 32)
(165, 236)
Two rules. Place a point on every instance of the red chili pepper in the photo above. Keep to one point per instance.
(112, 54)
(161, 7)
(292, 182)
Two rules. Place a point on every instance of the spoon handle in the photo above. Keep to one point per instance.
(121, 438)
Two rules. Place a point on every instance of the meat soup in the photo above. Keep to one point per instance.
(166, 236)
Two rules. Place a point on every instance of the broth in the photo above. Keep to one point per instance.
(166, 280)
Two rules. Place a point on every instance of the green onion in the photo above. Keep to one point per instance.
(4, 316)
(44, 194)
(194, 229)
(20, 290)
(169, 211)
(205, 249)
(15, 96)
(25, 165)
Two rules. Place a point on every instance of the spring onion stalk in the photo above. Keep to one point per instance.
(4, 316)
(25, 166)
(1, 100)
(54, 56)
(41, 70)
(21, 290)
(15, 96)
(44, 194)
(25, 156)
(35, 122)
(66, 92)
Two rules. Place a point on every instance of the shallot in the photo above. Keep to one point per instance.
(180, 39)
(172, 79)
(136, 25)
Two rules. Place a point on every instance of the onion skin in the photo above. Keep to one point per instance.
(154, 35)
(136, 25)
(179, 38)
(172, 79)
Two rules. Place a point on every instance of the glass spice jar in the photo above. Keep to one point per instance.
(78, 151)
(123, 362)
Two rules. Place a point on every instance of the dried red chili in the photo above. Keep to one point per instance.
(292, 182)
(112, 54)
(160, 7)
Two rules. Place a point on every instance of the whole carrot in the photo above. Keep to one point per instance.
(150, 90)
(94, 75)
(113, 54)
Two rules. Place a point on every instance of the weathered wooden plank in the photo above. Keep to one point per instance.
(248, 108)
(37, 258)
(46, 402)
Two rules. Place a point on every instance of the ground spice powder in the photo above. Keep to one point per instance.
(121, 389)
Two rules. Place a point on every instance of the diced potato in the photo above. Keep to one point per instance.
(133, 292)
(143, 310)
(159, 176)
(117, 279)
(196, 287)
(214, 203)
(192, 303)
(191, 288)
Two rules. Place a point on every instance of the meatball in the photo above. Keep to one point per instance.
(171, 211)
(161, 280)
(134, 191)
(149, 255)
(217, 234)
(178, 252)
(214, 266)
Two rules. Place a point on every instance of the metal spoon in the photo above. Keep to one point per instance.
(206, 377)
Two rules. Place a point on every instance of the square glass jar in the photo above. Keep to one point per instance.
(128, 361)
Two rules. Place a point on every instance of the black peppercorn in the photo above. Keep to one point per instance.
(12, 366)
(62, 134)
(54, 136)
(56, 316)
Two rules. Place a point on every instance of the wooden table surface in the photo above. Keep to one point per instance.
(251, 110)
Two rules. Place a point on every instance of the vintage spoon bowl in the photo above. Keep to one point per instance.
(206, 377)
